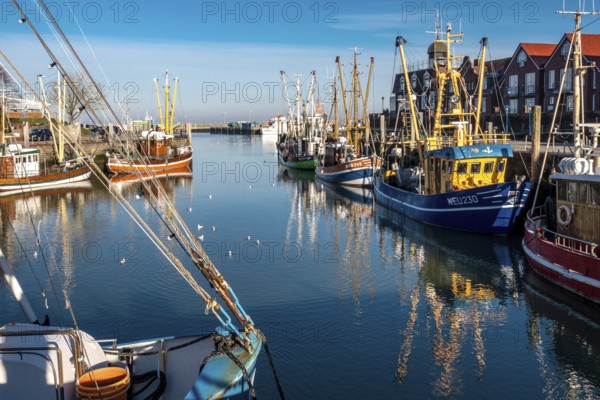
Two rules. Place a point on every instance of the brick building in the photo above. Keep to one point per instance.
(530, 77)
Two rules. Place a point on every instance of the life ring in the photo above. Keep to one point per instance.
(564, 215)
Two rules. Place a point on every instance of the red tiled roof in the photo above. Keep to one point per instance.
(590, 44)
(538, 49)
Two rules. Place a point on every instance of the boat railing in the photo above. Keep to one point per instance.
(538, 214)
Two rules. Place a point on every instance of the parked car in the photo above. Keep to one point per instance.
(40, 134)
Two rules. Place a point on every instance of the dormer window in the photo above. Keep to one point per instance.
(426, 80)
(564, 51)
(413, 81)
(402, 84)
(522, 58)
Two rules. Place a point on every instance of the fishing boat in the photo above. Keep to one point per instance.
(22, 169)
(39, 360)
(562, 237)
(275, 126)
(155, 149)
(347, 160)
(297, 148)
(453, 176)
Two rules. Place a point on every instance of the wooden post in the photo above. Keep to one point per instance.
(490, 133)
(382, 126)
(536, 133)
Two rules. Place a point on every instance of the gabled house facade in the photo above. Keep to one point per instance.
(555, 67)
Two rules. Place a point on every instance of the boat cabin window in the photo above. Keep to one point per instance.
(572, 192)
(443, 166)
(461, 168)
(450, 165)
(595, 193)
(488, 167)
(584, 193)
(501, 165)
(561, 191)
(475, 168)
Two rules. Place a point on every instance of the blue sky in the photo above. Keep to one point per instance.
(228, 55)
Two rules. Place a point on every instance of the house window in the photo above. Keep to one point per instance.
(521, 59)
(570, 103)
(551, 79)
(529, 103)
(550, 103)
(530, 83)
(402, 88)
(513, 84)
(423, 98)
(426, 80)
(432, 99)
(483, 104)
(513, 105)
(568, 78)
(594, 83)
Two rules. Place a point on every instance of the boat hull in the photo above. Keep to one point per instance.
(358, 173)
(573, 270)
(117, 165)
(299, 162)
(493, 209)
(9, 186)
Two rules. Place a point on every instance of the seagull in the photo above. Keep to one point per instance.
(35, 254)
(250, 186)
(200, 227)
(210, 196)
(257, 241)
(213, 228)
(249, 237)
(201, 237)
(122, 261)
(229, 253)
(190, 209)
(171, 236)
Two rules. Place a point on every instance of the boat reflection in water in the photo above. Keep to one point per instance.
(456, 286)
(564, 333)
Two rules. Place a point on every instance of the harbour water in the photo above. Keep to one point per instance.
(355, 302)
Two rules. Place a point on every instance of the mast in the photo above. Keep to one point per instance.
(400, 41)
(167, 120)
(578, 72)
(339, 64)
(335, 110)
(484, 42)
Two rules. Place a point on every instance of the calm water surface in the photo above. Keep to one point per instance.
(355, 302)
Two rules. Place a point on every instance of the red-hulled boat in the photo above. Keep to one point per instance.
(562, 237)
